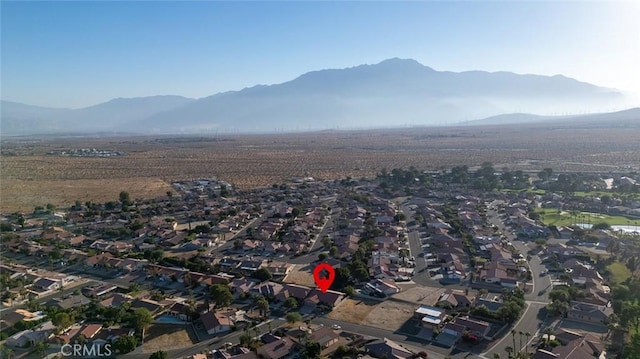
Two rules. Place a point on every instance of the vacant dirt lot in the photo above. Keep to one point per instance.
(30, 177)
(422, 295)
(165, 337)
(301, 274)
(353, 310)
(389, 314)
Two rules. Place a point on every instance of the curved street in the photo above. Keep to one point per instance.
(534, 318)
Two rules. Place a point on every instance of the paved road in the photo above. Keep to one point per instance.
(407, 341)
(534, 319)
(210, 344)
(68, 289)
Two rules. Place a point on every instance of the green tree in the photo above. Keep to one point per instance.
(602, 225)
(349, 290)
(156, 255)
(322, 256)
(341, 351)
(263, 274)
(247, 339)
(558, 308)
(399, 217)
(41, 349)
(631, 315)
(262, 305)
(291, 303)
(293, 317)
(161, 354)
(125, 198)
(141, 320)
(311, 350)
(632, 349)
(221, 295)
(125, 344)
(326, 242)
(7, 353)
(62, 321)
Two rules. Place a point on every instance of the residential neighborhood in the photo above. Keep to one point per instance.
(459, 263)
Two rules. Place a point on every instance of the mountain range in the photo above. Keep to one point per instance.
(392, 93)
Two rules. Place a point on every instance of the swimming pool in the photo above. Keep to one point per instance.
(169, 319)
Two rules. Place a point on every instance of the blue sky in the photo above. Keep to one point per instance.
(76, 54)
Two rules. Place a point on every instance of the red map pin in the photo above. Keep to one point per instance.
(324, 274)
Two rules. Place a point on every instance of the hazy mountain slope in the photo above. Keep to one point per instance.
(114, 115)
(121, 111)
(18, 118)
(509, 119)
(630, 117)
(394, 92)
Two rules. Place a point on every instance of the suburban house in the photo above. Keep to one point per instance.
(329, 298)
(386, 286)
(491, 301)
(31, 337)
(89, 331)
(116, 300)
(589, 313)
(277, 349)
(46, 284)
(478, 328)
(180, 311)
(430, 316)
(325, 336)
(385, 348)
(574, 346)
(450, 334)
(216, 322)
(267, 289)
(454, 299)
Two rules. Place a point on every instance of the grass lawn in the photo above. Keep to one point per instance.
(550, 216)
(619, 272)
(610, 194)
(527, 190)
(577, 193)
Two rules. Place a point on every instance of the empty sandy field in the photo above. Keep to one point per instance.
(24, 195)
(30, 177)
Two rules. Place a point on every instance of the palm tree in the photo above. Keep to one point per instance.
(7, 353)
(496, 356)
(262, 305)
(513, 335)
(509, 350)
(527, 334)
(520, 347)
